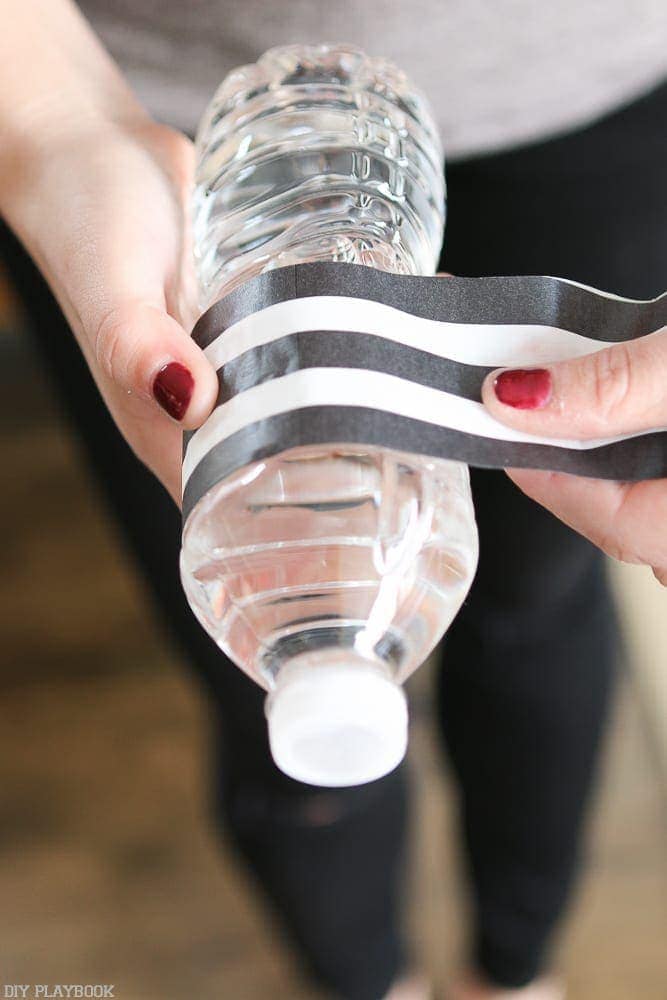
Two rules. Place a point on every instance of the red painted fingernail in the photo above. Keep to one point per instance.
(524, 388)
(173, 388)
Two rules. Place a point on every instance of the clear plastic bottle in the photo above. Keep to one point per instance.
(326, 573)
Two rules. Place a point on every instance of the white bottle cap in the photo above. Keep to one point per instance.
(338, 722)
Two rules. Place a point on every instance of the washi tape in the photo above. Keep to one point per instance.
(338, 353)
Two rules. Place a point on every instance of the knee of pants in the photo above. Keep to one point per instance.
(255, 808)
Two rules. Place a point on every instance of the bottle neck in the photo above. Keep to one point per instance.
(336, 721)
(327, 660)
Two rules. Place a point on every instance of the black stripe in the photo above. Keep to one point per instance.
(532, 300)
(629, 460)
(341, 349)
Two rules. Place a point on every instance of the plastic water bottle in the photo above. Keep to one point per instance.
(327, 573)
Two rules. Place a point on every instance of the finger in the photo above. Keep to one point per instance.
(620, 518)
(618, 390)
(114, 258)
(146, 353)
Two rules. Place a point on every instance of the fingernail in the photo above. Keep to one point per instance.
(524, 388)
(173, 388)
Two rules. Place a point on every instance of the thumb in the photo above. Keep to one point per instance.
(143, 351)
(617, 390)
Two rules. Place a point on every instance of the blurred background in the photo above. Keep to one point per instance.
(109, 872)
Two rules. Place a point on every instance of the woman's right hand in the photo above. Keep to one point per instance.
(102, 211)
(97, 192)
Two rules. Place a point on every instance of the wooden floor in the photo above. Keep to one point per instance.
(108, 870)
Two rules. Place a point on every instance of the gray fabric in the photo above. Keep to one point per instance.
(498, 72)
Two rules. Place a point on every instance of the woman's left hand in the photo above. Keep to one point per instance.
(619, 390)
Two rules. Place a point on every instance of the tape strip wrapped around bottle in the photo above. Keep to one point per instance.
(328, 353)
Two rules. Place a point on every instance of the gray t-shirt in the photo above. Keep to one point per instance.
(498, 73)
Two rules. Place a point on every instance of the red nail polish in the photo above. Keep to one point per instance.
(173, 388)
(524, 388)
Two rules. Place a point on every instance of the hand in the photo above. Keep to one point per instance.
(619, 390)
(103, 212)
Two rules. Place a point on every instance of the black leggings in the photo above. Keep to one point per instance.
(526, 668)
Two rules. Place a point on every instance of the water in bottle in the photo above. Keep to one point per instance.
(327, 573)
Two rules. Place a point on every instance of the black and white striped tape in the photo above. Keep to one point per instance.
(325, 352)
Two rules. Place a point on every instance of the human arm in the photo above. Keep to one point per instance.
(97, 192)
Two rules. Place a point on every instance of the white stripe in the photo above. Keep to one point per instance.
(495, 345)
(354, 387)
(608, 295)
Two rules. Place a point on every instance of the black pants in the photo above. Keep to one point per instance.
(527, 666)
